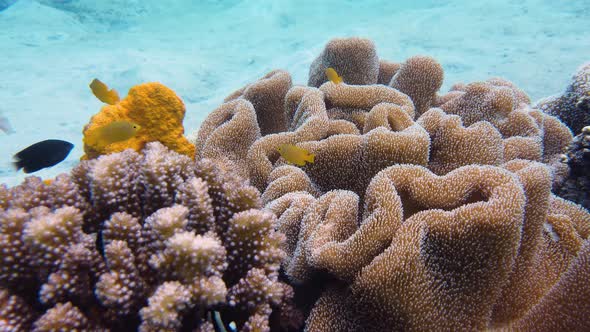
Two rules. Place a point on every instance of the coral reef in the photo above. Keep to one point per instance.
(357, 130)
(576, 186)
(573, 106)
(159, 112)
(152, 241)
(422, 211)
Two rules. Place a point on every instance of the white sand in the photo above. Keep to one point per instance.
(49, 56)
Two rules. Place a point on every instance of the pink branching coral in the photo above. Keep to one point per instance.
(152, 241)
(421, 211)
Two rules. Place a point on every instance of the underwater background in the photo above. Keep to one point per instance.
(204, 50)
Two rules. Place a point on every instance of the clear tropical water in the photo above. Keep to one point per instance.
(204, 50)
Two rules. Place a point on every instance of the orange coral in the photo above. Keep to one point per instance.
(153, 106)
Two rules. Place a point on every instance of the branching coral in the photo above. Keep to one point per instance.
(15, 312)
(162, 241)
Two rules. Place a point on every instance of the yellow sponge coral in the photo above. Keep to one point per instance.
(154, 107)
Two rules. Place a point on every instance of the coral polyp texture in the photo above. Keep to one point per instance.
(149, 241)
(422, 210)
(576, 187)
(573, 105)
(155, 108)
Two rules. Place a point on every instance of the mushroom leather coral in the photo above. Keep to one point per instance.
(357, 130)
(421, 211)
(153, 106)
(476, 249)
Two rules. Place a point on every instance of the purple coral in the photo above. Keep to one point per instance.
(150, 241)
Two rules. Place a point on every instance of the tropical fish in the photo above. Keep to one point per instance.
(43, 154)
(333, 75)
(116, 131)
(295, 155)
(5, 125)
(102, 92)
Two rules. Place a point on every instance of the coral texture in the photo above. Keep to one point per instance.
(151, 241)
(354, 59)
(357, 130)
(573, 105)
(478, 248)
(576, 186)
(419, 77)
(159, 112)
(422, 211)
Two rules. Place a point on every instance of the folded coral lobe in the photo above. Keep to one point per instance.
(446, 261)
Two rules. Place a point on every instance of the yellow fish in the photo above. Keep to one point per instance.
(333, 75)
(102, 92)
(295, 155)
(116, 131)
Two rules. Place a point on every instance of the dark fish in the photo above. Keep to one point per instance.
(41, 155)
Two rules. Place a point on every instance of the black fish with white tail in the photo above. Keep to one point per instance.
(41, 155)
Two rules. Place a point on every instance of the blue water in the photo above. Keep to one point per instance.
(204, 50)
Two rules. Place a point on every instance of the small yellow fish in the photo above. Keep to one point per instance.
(102, 92)
(48, 181)
(295, 155)
(333, 75)
(116, 131)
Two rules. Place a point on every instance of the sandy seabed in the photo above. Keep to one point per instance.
(50, 53)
